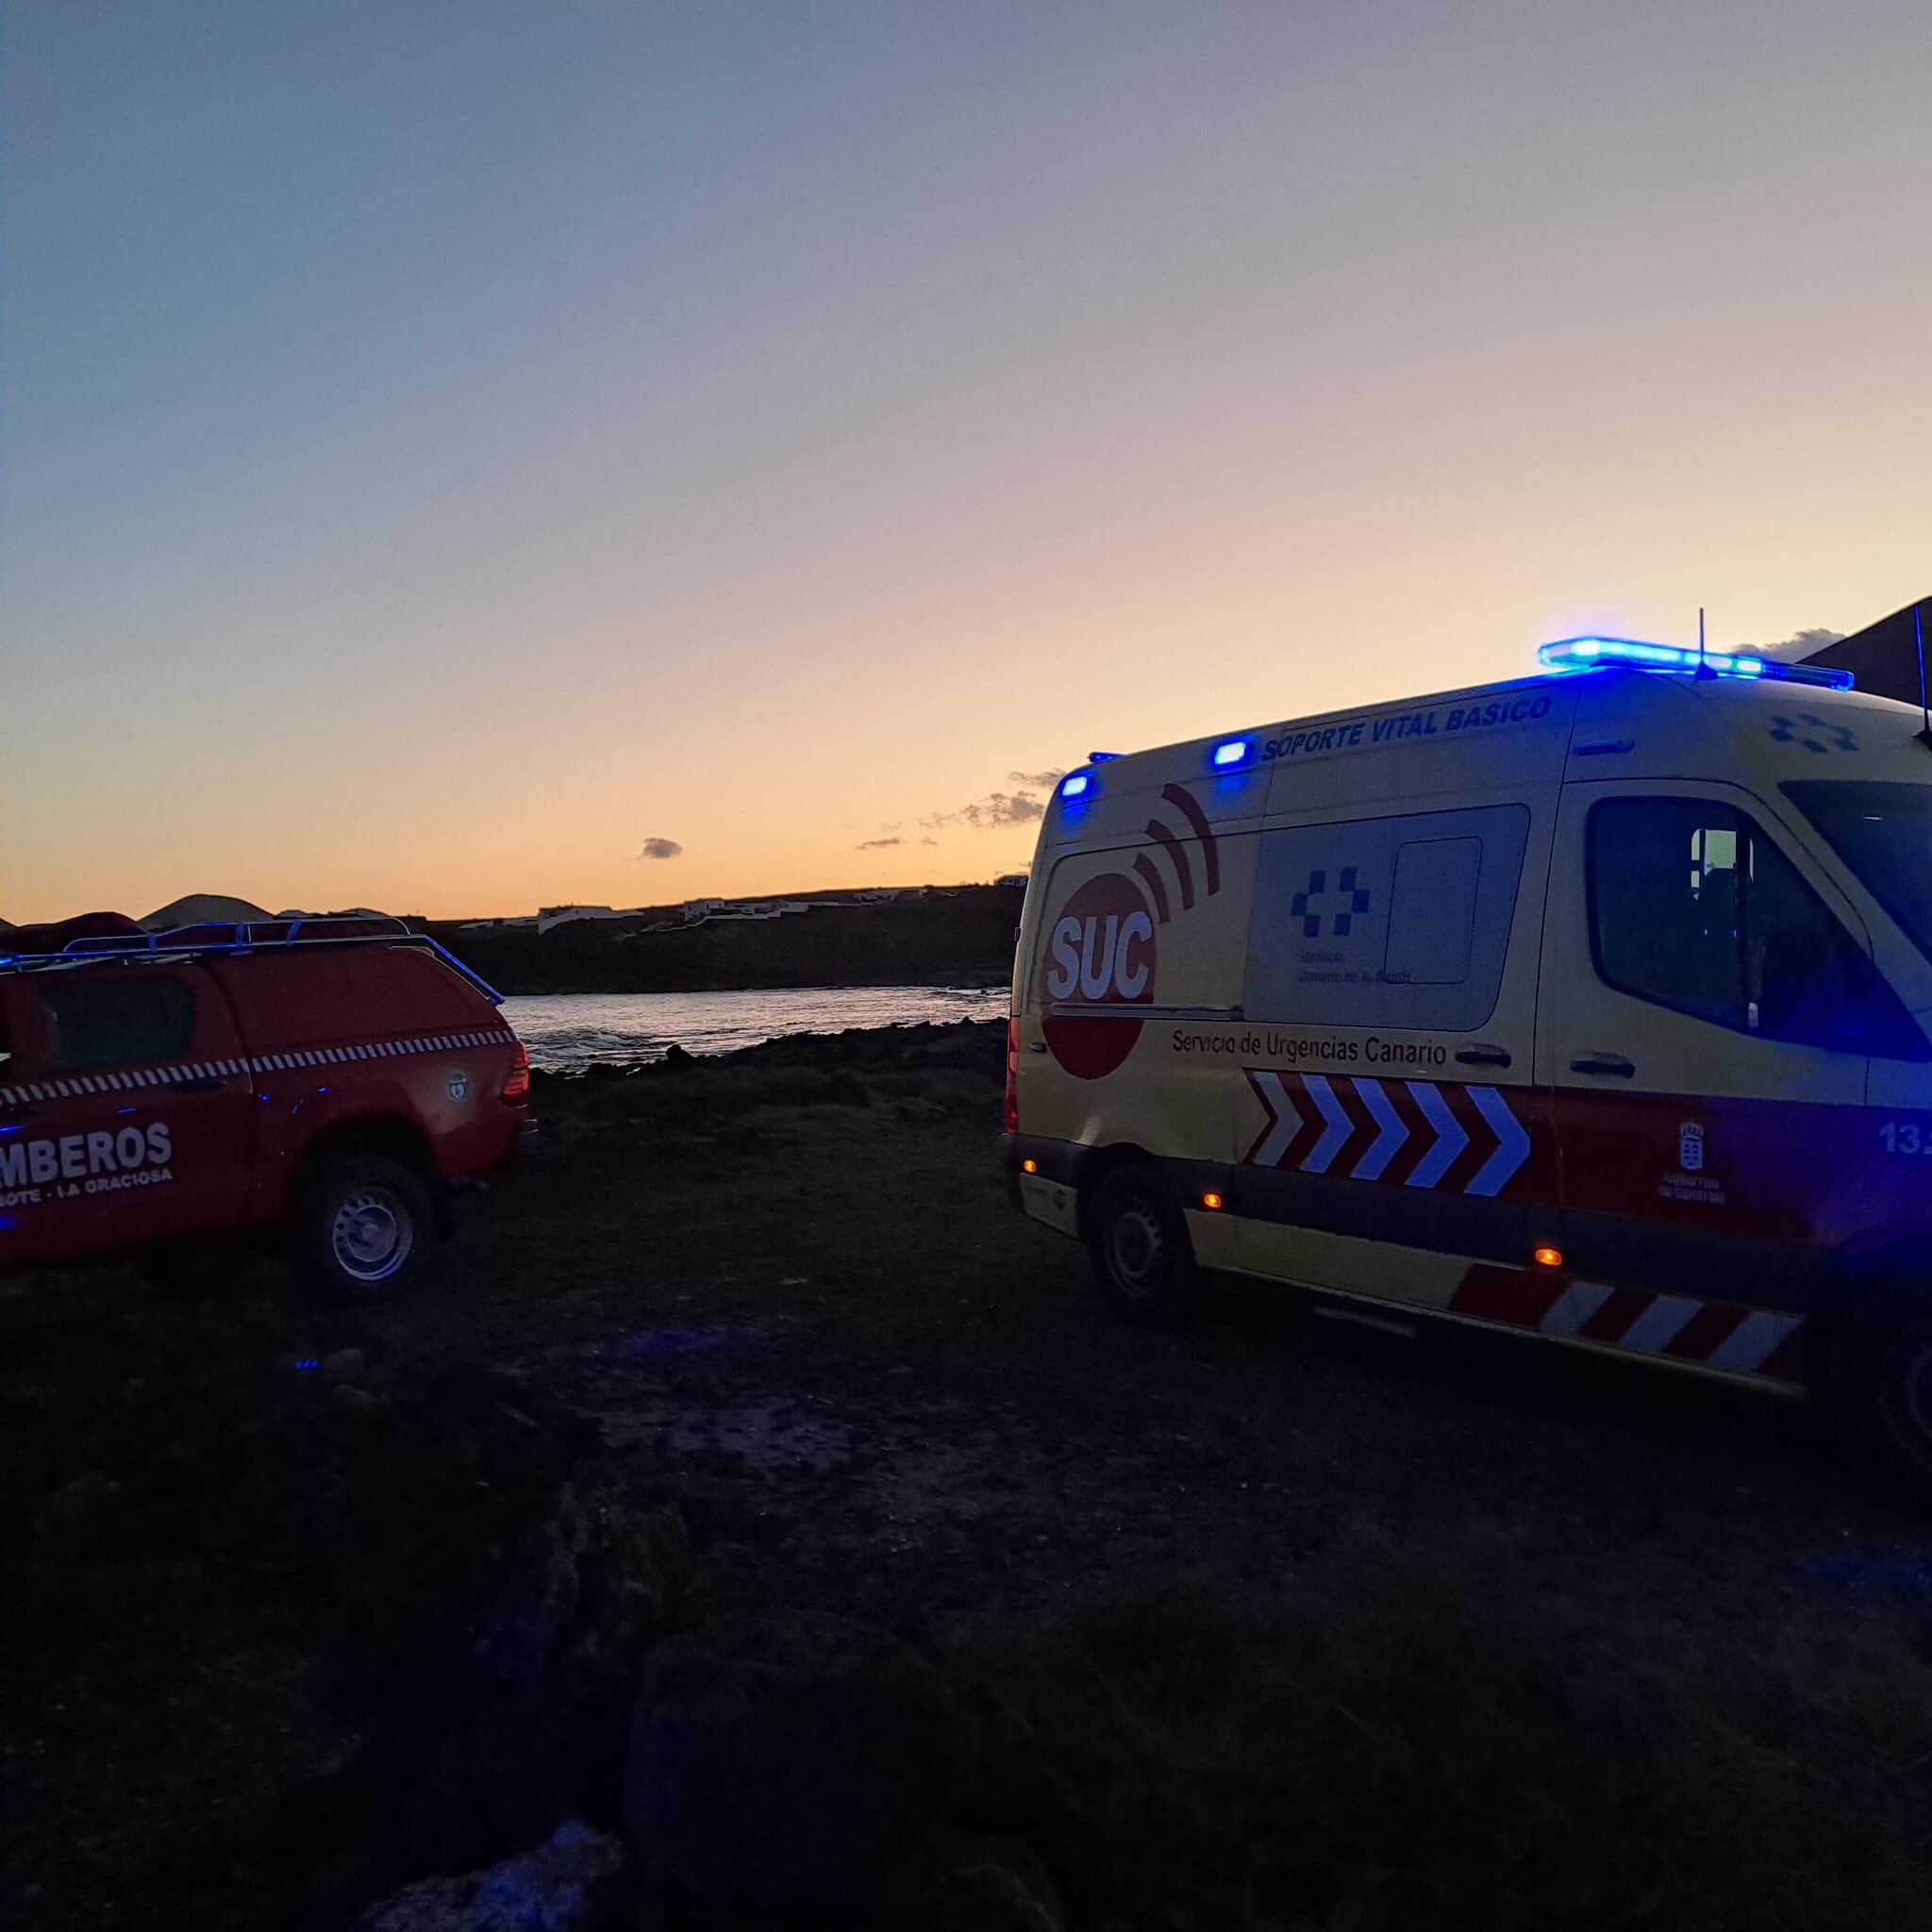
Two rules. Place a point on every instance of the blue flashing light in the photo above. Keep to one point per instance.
(1590, 654)
(1232, 753)
(309, 1362)
(1102, 757)
(1076, 783)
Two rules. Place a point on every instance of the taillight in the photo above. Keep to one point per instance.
(516, 1086)
(1013, 1076)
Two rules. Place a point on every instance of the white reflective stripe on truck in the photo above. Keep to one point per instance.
(78, 1085)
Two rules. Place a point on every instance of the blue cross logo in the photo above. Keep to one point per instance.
(1813, 732)
(1342, 922)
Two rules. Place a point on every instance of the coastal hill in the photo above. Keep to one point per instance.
(948, 935)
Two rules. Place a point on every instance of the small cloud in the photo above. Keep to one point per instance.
(661, 848)
(996, 810)
(873, 844)
(1037, 781)
(928, 841)
(1788, 650)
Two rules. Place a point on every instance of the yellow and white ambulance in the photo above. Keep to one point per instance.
(1594, 1005)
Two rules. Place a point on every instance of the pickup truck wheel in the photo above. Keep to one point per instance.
(1878, 1388)
(1137, 1238)
(363, 1227)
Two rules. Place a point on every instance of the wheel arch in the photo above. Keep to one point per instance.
(392, 1136)
(1096, 1165)
(1892, 1261)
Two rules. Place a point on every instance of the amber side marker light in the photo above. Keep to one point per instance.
(1029, 1167)
(1211, 1202)
(1548, 1257)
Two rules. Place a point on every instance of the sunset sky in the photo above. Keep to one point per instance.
(445, 445)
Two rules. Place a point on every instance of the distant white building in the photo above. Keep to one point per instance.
(697, 911)
(1012, 879)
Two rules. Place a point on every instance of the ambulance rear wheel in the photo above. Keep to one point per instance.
(363, 1227)
(1137, 1238)
(1880, 1389)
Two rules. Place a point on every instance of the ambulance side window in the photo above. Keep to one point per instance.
(117, 1022)
(1691, 906)
(1392, 922)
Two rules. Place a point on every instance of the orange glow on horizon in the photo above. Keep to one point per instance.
(471, 457)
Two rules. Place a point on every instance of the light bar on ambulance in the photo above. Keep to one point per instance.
(1591, 654)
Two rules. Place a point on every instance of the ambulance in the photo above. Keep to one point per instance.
(1594, 1006)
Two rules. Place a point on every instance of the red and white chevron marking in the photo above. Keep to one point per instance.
(1720, 1335)
(1407, 1133)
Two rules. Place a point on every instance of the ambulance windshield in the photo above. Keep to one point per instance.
(1883, 831)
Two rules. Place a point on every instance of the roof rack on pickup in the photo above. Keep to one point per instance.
(222, 939)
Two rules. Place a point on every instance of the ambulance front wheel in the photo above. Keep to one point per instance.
(1138, 1238)
(1879, 1389)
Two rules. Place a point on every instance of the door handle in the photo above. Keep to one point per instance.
(206, 1083)
(1612, 1063)
(1481, 1056)
(1035, 1046)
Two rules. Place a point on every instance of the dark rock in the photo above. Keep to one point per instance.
(600, 1577)
(507, 1773)
(804, 1762)
(543, 1716)
(846, 1089)
(983, 1885)
(1008, 1786)
(568, 1884)
(74, 1503)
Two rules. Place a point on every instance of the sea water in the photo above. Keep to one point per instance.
(564, 1030)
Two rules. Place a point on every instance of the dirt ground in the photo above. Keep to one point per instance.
(878, 1390)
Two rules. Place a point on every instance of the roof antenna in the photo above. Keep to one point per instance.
(1919, 638)
(1702, 669)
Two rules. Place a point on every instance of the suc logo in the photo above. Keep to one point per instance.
(1101, 955)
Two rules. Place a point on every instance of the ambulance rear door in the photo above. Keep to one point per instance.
(1708, 1010)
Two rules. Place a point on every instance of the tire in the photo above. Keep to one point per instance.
(1137, 1238)
(361, 1228)
(1879, 1390)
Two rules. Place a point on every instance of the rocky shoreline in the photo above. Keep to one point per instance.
(963, 936)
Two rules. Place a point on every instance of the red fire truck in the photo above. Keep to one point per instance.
(177, 1096)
